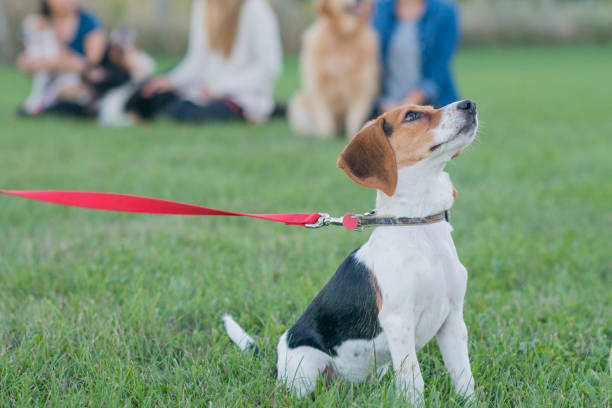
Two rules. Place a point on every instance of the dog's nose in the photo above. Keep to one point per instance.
(467, 105)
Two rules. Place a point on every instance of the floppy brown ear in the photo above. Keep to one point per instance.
(369, 159)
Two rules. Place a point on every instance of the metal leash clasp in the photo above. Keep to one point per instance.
(325, 220)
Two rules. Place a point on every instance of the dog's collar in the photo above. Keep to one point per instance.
(372, 219)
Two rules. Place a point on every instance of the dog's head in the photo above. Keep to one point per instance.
(346, 16)
(122, 42)
(405, 137)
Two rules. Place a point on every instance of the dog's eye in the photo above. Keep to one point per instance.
(411, 116)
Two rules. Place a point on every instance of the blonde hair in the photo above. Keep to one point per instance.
(222, 17)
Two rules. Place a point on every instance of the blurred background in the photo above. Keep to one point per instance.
(162, 28)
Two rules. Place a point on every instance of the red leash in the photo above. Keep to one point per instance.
(146, 205)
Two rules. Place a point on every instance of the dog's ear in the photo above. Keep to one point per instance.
(369, 159)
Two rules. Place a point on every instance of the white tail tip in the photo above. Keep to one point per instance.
(237, 334)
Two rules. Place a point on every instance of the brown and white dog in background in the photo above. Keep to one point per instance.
(123, 56)
(406, 284)
(339, 69)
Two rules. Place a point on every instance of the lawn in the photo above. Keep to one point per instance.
(102, 309)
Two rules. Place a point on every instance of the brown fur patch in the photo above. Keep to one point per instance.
(387, 144)
(412, 141)
(376, 288)
(329, 374)
(369, 159)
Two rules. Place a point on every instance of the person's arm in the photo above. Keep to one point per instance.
(267, 61)
(95, 44)
(445, 46)
(191, 65)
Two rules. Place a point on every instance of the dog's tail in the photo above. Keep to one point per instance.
(239, 336)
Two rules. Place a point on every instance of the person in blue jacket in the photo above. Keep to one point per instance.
(418, 40)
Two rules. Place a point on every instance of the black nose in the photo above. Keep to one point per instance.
(467, 105)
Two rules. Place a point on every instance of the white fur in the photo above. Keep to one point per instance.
(237, 334)
(421, 280)
(300, 367)
(111, 108)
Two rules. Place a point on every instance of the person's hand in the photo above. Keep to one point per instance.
(206, 92)
(96, 75)
(33, 65)
(158, 84)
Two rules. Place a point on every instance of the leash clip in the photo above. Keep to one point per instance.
(361, 225)
(324, 220)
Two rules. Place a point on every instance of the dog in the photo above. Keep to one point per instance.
(340, 71)
(40, 42)
(405, 285)
(123, 58)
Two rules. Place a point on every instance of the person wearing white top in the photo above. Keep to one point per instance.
(233, 61)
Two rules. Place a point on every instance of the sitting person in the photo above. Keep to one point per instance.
(70, 41)
(232, 63)
(418, 41)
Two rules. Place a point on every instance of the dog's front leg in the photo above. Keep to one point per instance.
(356, 116)
(453, 341)
(324, 118)
(400, 337)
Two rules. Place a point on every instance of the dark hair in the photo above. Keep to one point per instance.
(45, 10)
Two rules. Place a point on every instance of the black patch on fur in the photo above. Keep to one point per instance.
(345, 309)
(387, 128)
(252, 348)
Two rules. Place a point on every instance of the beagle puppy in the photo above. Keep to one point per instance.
(406, 284)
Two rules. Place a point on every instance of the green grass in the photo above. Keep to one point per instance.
(101, 309)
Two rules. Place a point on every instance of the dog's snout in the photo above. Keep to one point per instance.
(467, 106)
